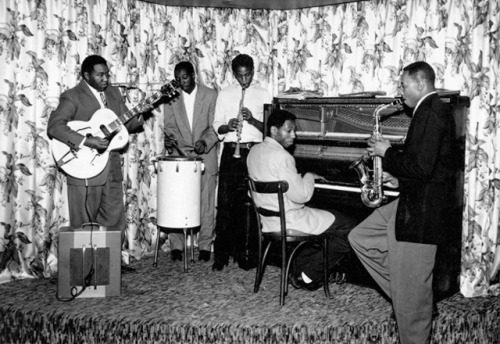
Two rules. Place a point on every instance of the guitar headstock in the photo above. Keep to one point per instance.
(170, 90)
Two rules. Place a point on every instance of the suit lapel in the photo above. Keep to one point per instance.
(113, 101)
(94, 105)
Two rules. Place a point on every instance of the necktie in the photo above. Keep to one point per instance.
(103, 98)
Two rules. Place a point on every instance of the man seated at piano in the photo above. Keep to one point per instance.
(270, 161)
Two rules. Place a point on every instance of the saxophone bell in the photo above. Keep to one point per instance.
(371, 195)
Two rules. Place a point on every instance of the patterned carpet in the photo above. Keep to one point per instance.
(166, 305)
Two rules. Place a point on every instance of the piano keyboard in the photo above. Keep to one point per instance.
(350, 189)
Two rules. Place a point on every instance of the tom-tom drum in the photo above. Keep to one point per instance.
(179, 191)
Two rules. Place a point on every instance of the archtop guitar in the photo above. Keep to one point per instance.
(87, 162)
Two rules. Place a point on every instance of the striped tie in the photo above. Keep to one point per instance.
(103, 98)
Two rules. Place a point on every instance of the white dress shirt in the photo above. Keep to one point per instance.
(227, 107)
(189, 104)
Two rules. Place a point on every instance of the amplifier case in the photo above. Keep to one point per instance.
(89, 256)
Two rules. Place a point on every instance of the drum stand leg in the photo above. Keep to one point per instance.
(185, 232)
(158, 232)
(192, 244)
(185, 250)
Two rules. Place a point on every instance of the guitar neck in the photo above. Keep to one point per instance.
(168, 90)
(127, 116)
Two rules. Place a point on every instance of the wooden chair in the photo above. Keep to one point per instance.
(287, 238)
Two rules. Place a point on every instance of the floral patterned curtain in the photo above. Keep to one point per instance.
(338, 49)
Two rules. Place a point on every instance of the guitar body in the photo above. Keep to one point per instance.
(87, 162)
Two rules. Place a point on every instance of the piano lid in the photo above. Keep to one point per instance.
(351, 118)
(337, 116)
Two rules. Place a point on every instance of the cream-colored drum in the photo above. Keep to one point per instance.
(179, 191)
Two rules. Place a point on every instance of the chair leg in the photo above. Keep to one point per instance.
(155, 263)
(326, 286)
(260, 267)
(284, 273)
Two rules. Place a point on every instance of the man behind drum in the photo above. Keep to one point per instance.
(188, 124)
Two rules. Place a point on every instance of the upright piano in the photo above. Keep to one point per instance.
(332, 133)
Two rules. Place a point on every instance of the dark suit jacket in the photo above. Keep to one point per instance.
(426, 168)
(177, 124)
(80, 104)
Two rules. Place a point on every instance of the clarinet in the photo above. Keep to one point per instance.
(237, 154)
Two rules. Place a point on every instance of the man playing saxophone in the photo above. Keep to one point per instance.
(398, 242)
(239, 115)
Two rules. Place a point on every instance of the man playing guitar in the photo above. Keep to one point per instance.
(99, 198)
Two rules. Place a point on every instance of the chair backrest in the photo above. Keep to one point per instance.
(276, 187)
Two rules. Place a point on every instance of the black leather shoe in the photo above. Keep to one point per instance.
(204, 256)
(220, 263)
(176, 255)
(127, 270)
(298, 283)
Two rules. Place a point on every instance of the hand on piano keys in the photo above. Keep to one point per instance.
(318, 178)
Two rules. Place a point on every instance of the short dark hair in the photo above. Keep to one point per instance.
(89, 63)
(423, 69)
(184, 65)
(277, 118)
(242, 60)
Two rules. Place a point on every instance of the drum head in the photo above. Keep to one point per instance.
(179, 158)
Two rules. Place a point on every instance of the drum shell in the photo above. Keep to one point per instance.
(179, 191)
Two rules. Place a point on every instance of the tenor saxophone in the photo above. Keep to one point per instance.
(237, 154)
(372, 192)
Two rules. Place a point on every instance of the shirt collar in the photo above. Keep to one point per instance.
(252, 85)
(95, 92)
(273, 141)
(193, 92)
(421, 100)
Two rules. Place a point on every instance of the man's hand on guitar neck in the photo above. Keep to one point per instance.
(96, 143)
